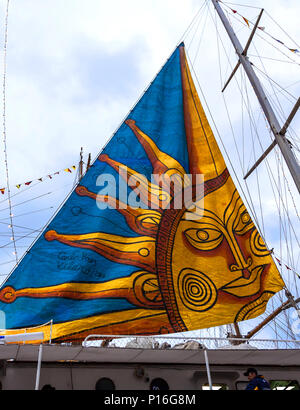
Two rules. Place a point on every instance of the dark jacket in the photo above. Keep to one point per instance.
(258, 383)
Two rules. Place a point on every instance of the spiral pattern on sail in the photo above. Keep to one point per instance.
(8, 294)
(197, 291)
(257, 245)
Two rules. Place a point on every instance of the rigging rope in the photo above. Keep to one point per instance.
(4, 132)
(27, 213)
(251, 206)
(266, 160)
(274, 82)
(221, 140)
(282, 29)
(262, 38)
(286, 225)
(243, 5)
(247, 21)
(185, 34)
(250, 111)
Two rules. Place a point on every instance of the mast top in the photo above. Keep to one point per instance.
(280, 138)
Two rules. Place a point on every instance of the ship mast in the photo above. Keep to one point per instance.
(278, 132)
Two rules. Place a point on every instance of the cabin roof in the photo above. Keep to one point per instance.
(56, 353)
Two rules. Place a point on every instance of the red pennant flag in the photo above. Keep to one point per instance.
(50, 176)
(288, 267)
(234, 11)
(28, 183)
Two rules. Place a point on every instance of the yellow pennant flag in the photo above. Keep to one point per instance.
(247, 21)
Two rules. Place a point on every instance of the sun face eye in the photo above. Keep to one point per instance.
(243, 224)
(204, 239)
(257, 245)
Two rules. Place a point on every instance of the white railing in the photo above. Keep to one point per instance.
(188, 343)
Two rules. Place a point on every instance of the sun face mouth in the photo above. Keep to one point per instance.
(242, 287)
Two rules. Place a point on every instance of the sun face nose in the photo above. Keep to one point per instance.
(242, 265)
(246, 273)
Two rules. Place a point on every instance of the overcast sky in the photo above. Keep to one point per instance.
(76, 67)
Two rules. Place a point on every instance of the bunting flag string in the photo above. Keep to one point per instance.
(282, 264)
(41, 179)
(247, 21)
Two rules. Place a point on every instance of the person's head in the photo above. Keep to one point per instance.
(48, 387)
(251, 373)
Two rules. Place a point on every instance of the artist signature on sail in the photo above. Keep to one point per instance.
(185, 263)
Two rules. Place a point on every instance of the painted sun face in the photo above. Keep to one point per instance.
(210, 239)
(201, 264)
(224, 260)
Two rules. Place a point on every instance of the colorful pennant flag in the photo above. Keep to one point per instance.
(247, 21)
(50, 176)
